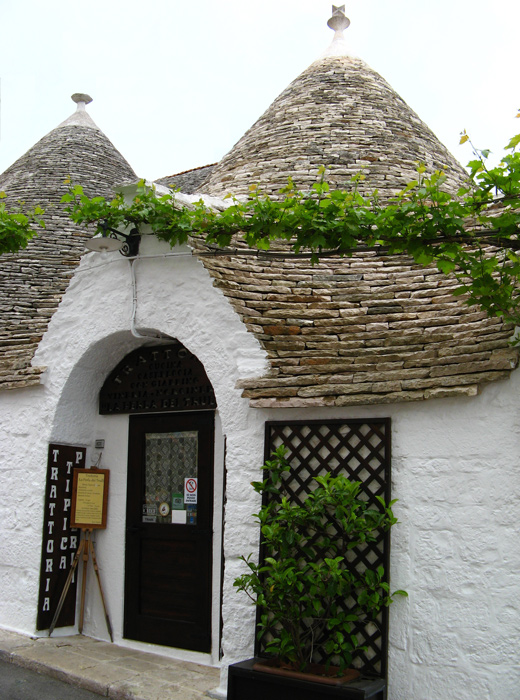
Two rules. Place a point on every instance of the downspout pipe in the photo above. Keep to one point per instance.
(156, 335)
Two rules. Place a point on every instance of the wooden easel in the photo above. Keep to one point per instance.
(86, 548)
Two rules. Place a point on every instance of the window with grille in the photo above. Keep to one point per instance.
(359, 449)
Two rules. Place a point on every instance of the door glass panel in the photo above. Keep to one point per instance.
(171, 478)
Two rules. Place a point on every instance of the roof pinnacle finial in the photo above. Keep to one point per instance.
(81, 99)
(339, 45)
(339, 21)
(80, 117)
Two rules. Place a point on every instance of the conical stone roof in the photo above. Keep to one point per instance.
(33, 281)
(76, 149)
(342, 114)
(360, 330)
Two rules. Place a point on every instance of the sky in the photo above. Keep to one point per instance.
(176, 83)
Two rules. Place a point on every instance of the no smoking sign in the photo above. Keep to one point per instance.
(190, 490)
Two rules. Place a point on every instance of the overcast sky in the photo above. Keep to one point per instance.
(177, 82)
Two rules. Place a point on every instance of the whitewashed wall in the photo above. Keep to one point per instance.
(456, 471)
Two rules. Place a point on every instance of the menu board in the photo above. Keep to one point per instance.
(90, 498)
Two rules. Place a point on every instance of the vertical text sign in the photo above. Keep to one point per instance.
(59, 540)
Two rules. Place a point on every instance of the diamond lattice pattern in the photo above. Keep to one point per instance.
(361, 451)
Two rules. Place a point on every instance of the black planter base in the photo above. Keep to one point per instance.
(246, 684)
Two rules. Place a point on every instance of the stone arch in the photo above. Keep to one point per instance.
(76, 409)
(77, 421)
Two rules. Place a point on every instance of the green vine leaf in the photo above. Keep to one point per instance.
(472, 235)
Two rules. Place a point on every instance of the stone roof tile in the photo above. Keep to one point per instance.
(188, 181)
(353, 348)
(367, 329)
(342, 114)
(33, 281)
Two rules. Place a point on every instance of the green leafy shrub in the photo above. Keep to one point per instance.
(305, 574)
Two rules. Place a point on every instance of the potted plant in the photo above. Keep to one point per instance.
(310, 596)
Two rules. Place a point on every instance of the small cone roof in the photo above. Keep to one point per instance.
(33, 280)
(78, 149)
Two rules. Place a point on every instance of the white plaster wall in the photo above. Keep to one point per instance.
(86, 338)
(456, 473)
(176, 296)
(23, 459)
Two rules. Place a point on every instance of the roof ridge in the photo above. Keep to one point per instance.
(185, 172)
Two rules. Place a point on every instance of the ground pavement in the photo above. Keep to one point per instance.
(111, 671)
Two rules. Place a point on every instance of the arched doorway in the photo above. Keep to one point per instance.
(169, 515)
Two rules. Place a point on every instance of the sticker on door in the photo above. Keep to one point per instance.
(190, 490)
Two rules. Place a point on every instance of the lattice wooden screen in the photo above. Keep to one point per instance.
(360, 449)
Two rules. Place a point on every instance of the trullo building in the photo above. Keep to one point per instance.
(169, 367)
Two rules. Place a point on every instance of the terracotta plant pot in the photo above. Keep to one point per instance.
(317, 673)
(246, 682)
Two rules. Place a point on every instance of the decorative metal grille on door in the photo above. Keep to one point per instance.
(360, 449)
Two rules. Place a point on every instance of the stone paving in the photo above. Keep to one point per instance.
(111, 671)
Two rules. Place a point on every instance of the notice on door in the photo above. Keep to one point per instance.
(89, 498)
(190, 490)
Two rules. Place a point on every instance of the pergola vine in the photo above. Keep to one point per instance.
(472, 234)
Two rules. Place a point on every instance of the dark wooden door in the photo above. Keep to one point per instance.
(169, 530)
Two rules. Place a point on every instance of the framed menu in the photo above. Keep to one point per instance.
(90, 498)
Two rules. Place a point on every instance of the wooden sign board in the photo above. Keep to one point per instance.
(90, 499)
(59, 540)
